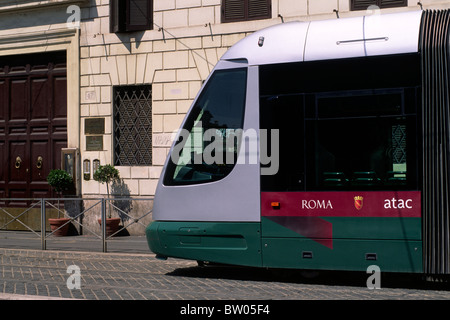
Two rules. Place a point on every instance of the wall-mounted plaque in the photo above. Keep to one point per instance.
(94, 143)
(94, 126)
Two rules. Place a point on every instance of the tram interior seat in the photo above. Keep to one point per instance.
(335, 179)
(361, 178)
(396, 177)
(365, 178)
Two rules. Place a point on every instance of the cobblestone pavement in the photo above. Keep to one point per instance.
(112, 276)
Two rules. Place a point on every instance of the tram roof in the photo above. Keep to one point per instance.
(378, 34)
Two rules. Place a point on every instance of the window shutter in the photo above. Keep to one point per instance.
(139, 15)
(259, 9)
(233, 10)
(364, 4)
(117, 15)
(392, 3)
(243, 10)
(131, 15)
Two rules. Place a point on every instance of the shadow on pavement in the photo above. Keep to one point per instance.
(328, 278)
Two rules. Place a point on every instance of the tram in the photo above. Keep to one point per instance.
(321, 145)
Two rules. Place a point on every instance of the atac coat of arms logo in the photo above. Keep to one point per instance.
(358, 202)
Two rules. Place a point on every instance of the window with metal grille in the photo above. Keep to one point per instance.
(365, 4)
(133, 125)
(131, 15)
(243, 10)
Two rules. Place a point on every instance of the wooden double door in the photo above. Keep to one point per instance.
(33, 124)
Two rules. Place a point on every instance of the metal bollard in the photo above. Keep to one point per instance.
(43, 225)
(103, 225)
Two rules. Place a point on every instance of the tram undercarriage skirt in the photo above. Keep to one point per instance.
(434, 49)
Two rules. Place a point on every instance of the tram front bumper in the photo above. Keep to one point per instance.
(236, 243)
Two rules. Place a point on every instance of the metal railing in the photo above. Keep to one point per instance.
(76, 211)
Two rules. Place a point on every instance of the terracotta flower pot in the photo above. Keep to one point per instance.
(112, 225)
(57, 223)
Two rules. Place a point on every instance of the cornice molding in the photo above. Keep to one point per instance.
(37, 38)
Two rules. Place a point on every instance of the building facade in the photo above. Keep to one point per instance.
(93, 82)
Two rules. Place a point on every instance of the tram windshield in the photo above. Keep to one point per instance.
(208, 144)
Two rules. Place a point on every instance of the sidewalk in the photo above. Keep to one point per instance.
(12, 296)
(45, 275)
(89, 243)
(129, 271)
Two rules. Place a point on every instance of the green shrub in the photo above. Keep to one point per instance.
(106, 174)
(60, 180)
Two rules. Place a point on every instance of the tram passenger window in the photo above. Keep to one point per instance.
(355, 125)
(361, 142)
(208, 144)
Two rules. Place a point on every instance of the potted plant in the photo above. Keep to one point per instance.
(107, 174)
(62, 182)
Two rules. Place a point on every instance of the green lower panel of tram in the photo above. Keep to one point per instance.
(350, 255)
(354, 243)
(221, 242)
(395, 247)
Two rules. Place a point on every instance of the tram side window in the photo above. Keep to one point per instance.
(208, 144)
(361, 142)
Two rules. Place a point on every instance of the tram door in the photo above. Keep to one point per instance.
(284, 113)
